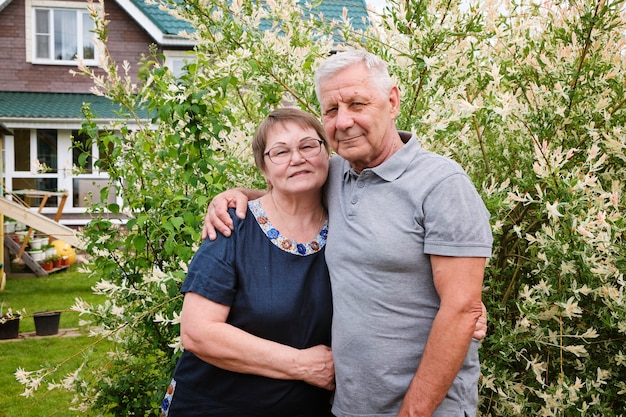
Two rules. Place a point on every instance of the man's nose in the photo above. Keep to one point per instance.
(344, 119)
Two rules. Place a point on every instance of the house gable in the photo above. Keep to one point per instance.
(159, 24)
(40, 102)
(165, 28)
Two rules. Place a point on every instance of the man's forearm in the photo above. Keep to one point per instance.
(443, 357)
(252, 194)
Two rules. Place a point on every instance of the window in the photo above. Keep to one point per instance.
(89, 158)
(63, 36)
(178, 60)
(46, 150)
(21, 153)
(39, 174)
(89, 191)
(47, 153)
(92, 160)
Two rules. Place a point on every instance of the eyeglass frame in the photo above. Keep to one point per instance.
(297, 148)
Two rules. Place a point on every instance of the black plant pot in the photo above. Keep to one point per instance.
(47, 322)
(10, 329)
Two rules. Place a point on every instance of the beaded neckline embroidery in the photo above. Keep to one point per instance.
(284, 243)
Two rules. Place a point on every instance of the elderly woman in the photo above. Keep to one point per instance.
(257, 310)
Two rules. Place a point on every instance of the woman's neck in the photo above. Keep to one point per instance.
(297, 217)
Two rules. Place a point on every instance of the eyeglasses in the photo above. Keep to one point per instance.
(308, 148)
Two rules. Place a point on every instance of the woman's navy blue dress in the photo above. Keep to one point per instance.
(276, 290)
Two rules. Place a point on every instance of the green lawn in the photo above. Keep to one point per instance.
(55, 292)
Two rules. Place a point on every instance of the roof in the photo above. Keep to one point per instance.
(4, 3)
(165, 28)
(357, 11)
(27, 105)
(167, 23)
(4, 130)
(160, 25)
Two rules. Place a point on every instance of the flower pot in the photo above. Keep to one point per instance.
(35, 244)
(21, 235)
(9, 227)
(65, 261)
(37, 255)
(47, 266)
(10, 329)
(47, 322)
(50, 251)
(56, 263)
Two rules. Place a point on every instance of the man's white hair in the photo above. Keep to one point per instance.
(342, 60)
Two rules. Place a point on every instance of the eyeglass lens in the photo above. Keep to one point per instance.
(307, 148)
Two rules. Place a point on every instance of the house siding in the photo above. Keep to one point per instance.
(127, 42)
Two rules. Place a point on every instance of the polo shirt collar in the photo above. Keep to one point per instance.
(392, 168)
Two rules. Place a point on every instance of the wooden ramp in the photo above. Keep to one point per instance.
(40, 222)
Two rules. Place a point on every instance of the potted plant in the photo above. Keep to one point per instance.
(36, 242)
(49, 249)
(56, 260)
(46, 264)
(37, 255)
(65, 260)
(9, 323)
(9, 226)
(46, 322)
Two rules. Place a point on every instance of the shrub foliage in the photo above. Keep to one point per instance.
(528, 96)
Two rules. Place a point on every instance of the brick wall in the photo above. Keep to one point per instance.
(127, 41)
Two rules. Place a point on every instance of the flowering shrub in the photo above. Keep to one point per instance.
(9, 314)
(528, 96)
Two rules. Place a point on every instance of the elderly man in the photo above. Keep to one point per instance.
(407, 246)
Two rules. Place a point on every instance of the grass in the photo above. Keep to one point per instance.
(55, 292)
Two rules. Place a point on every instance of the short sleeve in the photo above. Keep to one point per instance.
(456, 221)
(212, 272)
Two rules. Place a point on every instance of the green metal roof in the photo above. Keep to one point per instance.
(167, 23)
(357, 11)
(331, 9)
(54, 105)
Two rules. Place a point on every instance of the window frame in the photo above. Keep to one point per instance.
(175, 60)
(52, 7)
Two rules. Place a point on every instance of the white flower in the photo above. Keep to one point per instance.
(570, 308)
(553, 211)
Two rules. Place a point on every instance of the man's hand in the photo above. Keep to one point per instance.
(217, 217)
(481, 325)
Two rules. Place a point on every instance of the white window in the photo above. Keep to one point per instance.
(63, 36)
(177, 60)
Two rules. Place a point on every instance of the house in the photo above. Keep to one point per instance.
(40, 101)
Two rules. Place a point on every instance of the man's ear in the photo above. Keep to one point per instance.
(394, 101)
